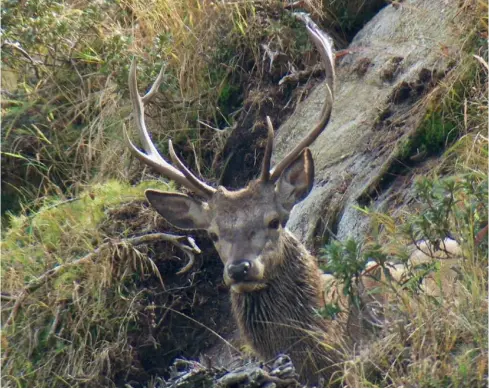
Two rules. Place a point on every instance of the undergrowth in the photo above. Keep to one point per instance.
(457, 105)
(64, 73)
(440, 339)
(73, 330)
(92, 296)
(63, 229)
(104, 322)
(436, 339)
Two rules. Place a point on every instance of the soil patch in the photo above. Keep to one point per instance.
(179, 320)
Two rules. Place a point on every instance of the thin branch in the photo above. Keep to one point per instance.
(17, 47)
(302, 75)
(225, 129)
(204, 326)
(7, 297)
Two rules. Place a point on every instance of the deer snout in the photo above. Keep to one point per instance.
(239, 271)
(245, 275)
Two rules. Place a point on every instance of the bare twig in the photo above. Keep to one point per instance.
(56, 320)
(7, 297)
(225, 129)
(302, 75)
(296, 5)
(271, 54)
(204, 326)
(482, 61)
(17, 47)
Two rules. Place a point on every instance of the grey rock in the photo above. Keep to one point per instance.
(395, 60)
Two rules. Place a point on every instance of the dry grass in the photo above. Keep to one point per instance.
(62, 132)
(65, 106)
(436, 340)
(441, 342)
(65, 70)
(92, 297)
(74, 329)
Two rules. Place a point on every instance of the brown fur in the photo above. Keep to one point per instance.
(283, 318)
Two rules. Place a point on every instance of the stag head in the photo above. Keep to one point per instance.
(246, 225)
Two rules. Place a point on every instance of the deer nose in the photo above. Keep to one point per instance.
(239, 270)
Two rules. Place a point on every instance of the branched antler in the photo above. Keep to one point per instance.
(180, 173)
(151, 156)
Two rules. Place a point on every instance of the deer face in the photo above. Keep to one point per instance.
(245, 225)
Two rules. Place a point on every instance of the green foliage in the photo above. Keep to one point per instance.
(346, 261)
(432, 328)
(454, 206)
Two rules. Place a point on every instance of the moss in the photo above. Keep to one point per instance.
(65, 229)
(443, 122)
(432, 136)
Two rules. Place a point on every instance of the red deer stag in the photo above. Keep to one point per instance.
(275, 282)
(276, 286)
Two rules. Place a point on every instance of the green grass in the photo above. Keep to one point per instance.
(61, 230)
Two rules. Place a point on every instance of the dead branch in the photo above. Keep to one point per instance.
(190, 250)
(272, 55)
(7, 297)
(16, 46)
(302, 75)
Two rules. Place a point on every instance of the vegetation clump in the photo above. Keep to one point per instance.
(411, 348)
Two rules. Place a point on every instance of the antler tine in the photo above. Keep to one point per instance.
(152, 157)
(265, 170)
(323, 45)
(156, 84)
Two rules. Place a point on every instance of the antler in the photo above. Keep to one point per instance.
(181, 174)
(323, 45)
(151, 157)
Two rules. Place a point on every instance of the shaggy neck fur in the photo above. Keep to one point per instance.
(283, 318)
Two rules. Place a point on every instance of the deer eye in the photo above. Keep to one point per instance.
(213, 236)
(274, 224)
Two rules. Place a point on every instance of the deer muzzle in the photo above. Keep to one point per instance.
(244, 275)
(238, 271)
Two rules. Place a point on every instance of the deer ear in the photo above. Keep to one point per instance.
(296, 180)
(180, 210)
